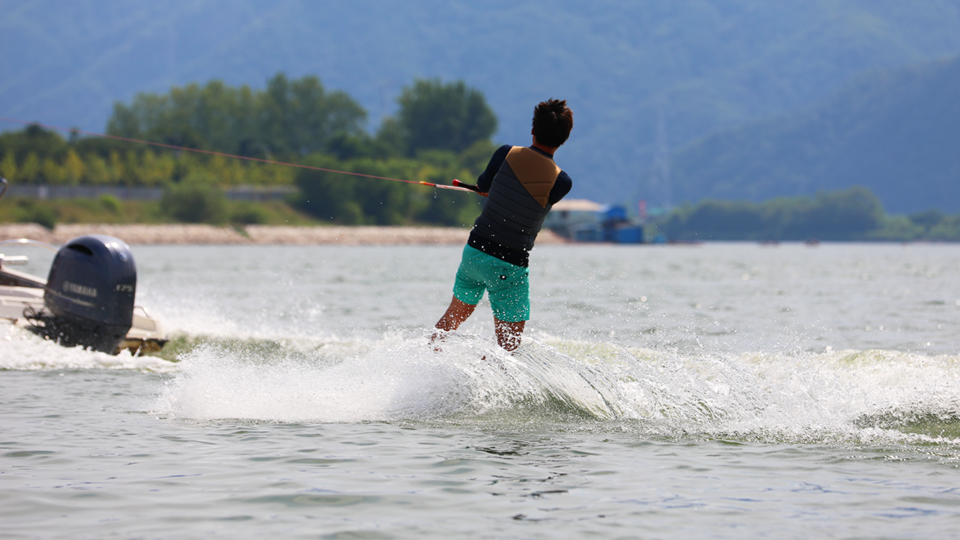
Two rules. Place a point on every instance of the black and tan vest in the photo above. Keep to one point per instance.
(518, 199)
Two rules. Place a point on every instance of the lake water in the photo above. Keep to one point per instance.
(711, 391)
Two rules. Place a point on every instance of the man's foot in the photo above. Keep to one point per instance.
(435, 339)
(508, 333)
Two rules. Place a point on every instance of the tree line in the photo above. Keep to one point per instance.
(39, 156)
(855, 214)
(441, 131)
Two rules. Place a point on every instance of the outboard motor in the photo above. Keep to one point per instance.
(90, 293)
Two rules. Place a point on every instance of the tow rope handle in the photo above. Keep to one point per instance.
(471, 187)
(457, 186)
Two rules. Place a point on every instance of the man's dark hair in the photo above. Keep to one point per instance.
(552, 122)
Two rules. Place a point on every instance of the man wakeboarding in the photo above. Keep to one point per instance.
(521, 185)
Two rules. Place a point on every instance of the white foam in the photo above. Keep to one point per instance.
(848, 395)
(23, 350)
(392, 379)
(804, 396)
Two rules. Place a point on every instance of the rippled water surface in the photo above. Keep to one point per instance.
(711, 391)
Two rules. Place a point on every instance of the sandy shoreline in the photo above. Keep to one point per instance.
(253, 234)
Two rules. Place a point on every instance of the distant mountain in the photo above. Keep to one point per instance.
(702, 65)
(895, 132)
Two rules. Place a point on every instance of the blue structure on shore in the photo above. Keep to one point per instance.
(586, 221)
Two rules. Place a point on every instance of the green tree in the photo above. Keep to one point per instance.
(372, 201)
(837, 215)
(131, 168)
(74, 168)
(301, 117)
(8, 167)
(52, 172)
(434, 115)
(97, 171)
(391, 140)
(195, 200)
(851, 214)
(289, 117)
(31, 168)
(928, 218)
(117, 168)
(329, 195)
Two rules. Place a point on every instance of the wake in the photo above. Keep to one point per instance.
(860, 396)
(871, 397)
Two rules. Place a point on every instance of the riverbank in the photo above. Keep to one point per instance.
(253, 234)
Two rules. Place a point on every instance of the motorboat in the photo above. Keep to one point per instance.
(87, 299)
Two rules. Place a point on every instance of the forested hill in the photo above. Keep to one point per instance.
(894, 132)
(702, 65)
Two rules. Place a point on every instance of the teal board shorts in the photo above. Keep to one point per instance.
(507, 284)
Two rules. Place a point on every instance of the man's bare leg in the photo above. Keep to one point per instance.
(455, 315)
(508, 333)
